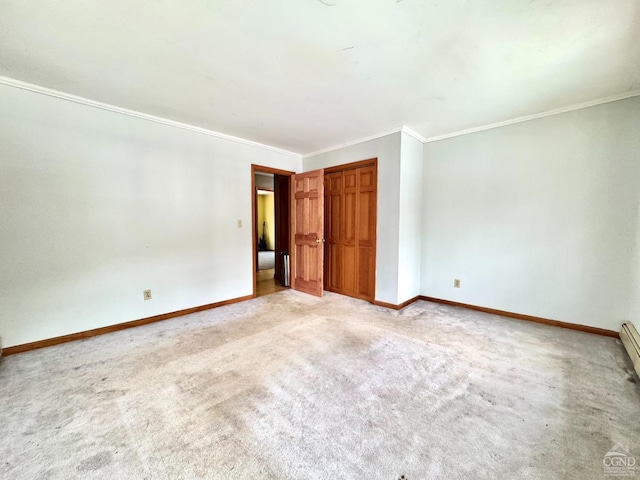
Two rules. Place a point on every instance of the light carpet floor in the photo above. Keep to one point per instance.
(290, 386)
(266, 259)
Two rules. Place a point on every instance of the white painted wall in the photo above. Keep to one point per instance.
(264, 181)
(387, 150)
(96, 206)
(410, 218)
(539, 217)
(634, 315)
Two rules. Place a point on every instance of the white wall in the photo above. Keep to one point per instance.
(538, 217)
(410, 218)
(634, 315)
(264, 181)
(387, 150)
(96, 206)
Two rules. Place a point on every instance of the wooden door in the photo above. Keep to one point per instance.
(307, 230)
(366, 232)
(350, 230)
(333, 232)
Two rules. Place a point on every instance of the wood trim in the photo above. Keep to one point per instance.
(408, 302)
(529, 318)
(375, 230)
(292, 233)
(25, 347)
(370, 162)
(386, 305)
(400, 306)
(276, 171)
(254, 232)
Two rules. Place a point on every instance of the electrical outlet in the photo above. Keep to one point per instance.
(456, 283)
(239, 223)
(146, 294)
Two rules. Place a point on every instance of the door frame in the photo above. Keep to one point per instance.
(254, 227)
(369, 162)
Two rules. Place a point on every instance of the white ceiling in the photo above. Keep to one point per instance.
(304, 75)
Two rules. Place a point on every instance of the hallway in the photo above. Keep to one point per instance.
(266, 284)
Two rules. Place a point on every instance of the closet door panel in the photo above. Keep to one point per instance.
(366, 232)
(365, 274)
(333, 232)
(350, 218)
(350, 229)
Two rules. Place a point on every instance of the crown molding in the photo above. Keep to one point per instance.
(402, 129)
(354, 142)
(526, 118)
(413, 134)
(417, 136)
(11, 82)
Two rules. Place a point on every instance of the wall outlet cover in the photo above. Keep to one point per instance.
(146, 294)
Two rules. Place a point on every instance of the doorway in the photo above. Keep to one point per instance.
(270, 226)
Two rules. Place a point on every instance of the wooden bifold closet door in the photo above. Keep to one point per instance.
(350, 231)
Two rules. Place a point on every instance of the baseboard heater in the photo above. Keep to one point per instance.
(631, 341)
